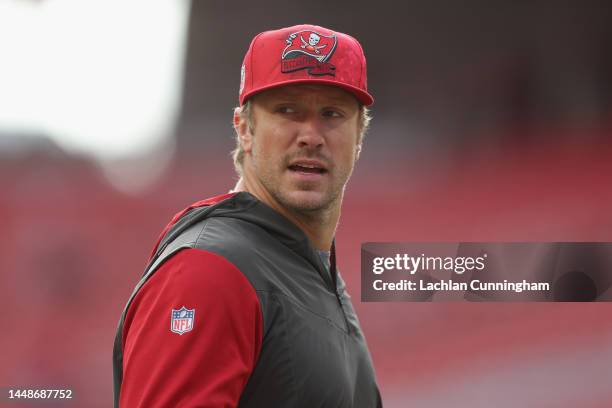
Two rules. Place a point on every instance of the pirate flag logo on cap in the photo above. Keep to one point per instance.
(309, 50)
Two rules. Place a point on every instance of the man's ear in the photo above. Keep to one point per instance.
(241, 127)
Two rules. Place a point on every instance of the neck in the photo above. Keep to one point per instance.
(319, 227)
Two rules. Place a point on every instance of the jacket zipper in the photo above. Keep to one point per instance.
(334, 276)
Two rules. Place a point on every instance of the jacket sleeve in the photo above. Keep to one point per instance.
(207, 366)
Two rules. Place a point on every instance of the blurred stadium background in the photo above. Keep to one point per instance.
(492, 121)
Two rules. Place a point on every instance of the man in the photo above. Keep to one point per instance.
(241, 304)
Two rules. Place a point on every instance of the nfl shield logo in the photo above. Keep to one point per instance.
(181, 321)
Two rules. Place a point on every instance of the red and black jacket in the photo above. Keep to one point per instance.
(271, 327)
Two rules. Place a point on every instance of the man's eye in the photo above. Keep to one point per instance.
(332, 113)
(286, 109)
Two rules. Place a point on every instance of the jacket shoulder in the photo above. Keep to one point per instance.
(246, 245)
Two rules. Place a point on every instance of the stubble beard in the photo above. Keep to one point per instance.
(318, 209)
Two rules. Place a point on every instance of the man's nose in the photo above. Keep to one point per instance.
(311, 134)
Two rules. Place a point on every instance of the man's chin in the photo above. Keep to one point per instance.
(306, 201)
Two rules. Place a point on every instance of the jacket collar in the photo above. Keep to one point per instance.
(247, 207)
(250, 209)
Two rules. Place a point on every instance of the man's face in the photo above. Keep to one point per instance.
(304, 145)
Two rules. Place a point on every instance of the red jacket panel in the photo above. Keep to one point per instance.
(207, 366)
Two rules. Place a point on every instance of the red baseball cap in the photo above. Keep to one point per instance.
(304, 54)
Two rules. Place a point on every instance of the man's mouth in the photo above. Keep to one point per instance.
(308, 167)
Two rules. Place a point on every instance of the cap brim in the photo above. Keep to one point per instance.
(363, 97)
